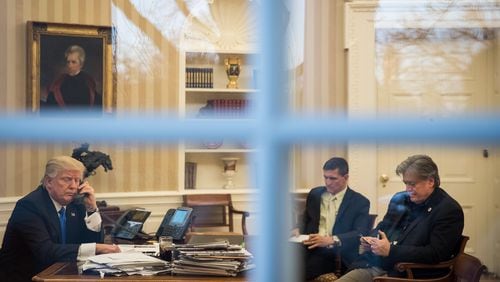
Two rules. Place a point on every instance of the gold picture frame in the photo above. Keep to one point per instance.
(47, 44)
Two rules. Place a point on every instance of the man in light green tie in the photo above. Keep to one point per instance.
(334, 217)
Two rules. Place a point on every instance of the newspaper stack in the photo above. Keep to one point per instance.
(129, 262)
(216, 259)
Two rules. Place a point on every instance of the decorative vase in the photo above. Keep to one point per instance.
(233, 68)
(229, 171)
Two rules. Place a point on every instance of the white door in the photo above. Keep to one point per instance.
(494, 171)
(426, 76)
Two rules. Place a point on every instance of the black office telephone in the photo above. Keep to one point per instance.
(129, 225)
(175, 223)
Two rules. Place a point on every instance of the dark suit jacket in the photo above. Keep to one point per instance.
(352, 220)
(32, 240)
(430, 238)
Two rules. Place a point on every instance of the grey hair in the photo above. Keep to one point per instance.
(76, 49)
(422, 165)
(60, 163)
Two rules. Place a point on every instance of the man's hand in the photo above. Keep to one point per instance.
(382, 246)
(106, 249)
(89, 199)
(365, 244)
(295, 232)
(316, 240)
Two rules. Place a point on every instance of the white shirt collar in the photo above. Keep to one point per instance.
(56, 204)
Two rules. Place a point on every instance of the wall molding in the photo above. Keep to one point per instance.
(156, 202)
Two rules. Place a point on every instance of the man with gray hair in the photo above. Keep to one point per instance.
(75, 88)
(48, 225)
(422, 225)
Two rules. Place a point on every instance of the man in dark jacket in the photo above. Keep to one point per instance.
(423, 225)
(48, 226)
(334, 217)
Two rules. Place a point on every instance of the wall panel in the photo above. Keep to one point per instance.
(137, 167)
(322, 92)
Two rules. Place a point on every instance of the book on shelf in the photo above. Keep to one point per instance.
(225, 108)
(199, 77)
(190, 175)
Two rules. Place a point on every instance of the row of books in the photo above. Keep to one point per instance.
(199, 77)
(229, 108)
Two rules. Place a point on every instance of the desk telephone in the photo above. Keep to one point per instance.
(175, 223)
(129, 225)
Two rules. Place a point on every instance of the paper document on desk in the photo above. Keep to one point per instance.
(126, 258)
(128, 262)
(298, 239)
(152, 249)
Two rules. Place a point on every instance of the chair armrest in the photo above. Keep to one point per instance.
(338, 263)
(389, 279)
(244, 214)
(409, 266)
(395, 279)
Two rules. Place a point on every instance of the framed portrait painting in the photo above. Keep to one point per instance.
(70, 67)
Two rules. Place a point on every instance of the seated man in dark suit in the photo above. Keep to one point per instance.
(334, 217)
(48, 226)
(423, 225)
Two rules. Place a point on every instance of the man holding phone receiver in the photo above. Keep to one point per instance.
(48, 225)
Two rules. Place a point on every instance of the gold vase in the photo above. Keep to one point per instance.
(233, 68)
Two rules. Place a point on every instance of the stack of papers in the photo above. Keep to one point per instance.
(298, 239)
(129, 262)
(217, 259)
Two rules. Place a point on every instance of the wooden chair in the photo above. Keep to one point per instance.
(110, 215)
(468, 268)
(449, 264)
(214, 210)
(298, 207)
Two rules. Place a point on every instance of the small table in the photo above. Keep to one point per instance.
(68, 271)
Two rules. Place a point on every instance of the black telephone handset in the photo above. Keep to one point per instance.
(78, 199)
(175, 223)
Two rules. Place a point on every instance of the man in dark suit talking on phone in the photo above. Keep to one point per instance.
(48, 225)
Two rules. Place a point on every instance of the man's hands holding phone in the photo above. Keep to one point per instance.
(378, 245)
(86, 194)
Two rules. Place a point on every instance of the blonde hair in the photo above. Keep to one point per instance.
(60, 163)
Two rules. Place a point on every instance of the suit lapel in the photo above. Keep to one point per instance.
(411, 227)
(51, 214)
(344, 204)
(317, 203)
(425, 214)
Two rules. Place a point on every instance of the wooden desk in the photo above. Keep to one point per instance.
(68, 271)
